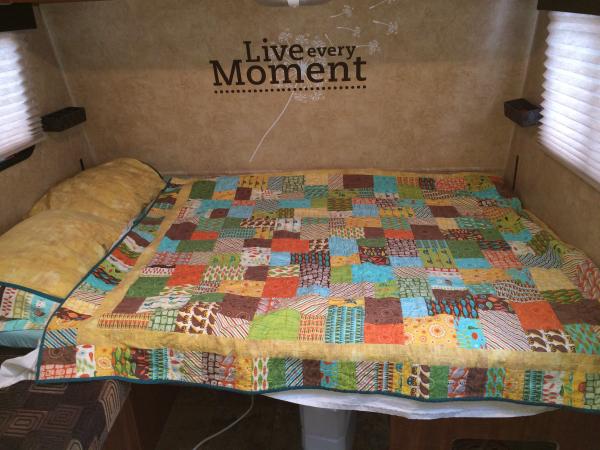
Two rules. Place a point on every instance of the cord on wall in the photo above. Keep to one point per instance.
(262, 139)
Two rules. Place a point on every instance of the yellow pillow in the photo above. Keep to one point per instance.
(117, 191)
(52, 251)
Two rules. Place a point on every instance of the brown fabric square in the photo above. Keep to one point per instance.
(373, 232)
(129, 305)
(358, 181)
(64, 355)
(585, 311)
(427, 232)
(383, 310)
(181, 231)
(284, 234)
(255, 242)
(311, 372)
(243, 193)
(219, 213)
(444, 211)
(239, 306)
(450, 294)
(256, 273)
(476, 380)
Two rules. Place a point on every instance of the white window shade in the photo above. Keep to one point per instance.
(20, 125)
(570, 128)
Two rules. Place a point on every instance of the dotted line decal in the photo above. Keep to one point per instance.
(269, 90)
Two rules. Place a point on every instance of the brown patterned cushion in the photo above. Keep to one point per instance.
(59, 416)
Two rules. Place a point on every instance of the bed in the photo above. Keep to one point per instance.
(415, 287)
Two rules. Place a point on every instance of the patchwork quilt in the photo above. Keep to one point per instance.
(431, 287)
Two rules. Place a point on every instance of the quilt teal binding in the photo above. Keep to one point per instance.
(405, 218)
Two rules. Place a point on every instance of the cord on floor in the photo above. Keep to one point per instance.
(212, 436)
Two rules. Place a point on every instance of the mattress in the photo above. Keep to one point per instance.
(407, 408)
(426, 287)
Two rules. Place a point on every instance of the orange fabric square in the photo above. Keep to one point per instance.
(389, 333)
(204, 235)
(290, 245)
(283, 287)
(398, 234)
(536, 316)
(118, 254)
(184, 274)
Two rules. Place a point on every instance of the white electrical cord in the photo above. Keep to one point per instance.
(205, 440)
(262, 139)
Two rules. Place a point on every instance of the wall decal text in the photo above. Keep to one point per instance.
(295, 64)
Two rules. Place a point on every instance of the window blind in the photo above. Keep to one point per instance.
(20, 125)
(570, 128)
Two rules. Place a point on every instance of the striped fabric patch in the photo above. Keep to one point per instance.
(503, 331)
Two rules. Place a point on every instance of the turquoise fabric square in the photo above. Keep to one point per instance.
(227, 183)
(414, 307)
(167, 245)
(298, 203)
(97, 283)
(312, 290)
(372, 273)
(486, 193)
(241, 212)
(365, 211)
(342, 247)
(472, 263)
(280, 259)
(406, 261)
(214, 204)
(523, 236)
(385, 184)
(469, 333)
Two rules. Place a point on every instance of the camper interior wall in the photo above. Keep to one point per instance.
(141, 69)
(554, 193)
(436, 80)
(55, 158)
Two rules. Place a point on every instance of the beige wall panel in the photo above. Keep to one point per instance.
(568, 204)
(55, 158)
(433, 101)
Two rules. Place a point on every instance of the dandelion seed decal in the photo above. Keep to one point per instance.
(303, 93)
(392, 27)
(346, 11)
(302, 39)
(382, 2)
(355, 31)
(372, 47)
(304, 90)
(328, 40)
(285, 37)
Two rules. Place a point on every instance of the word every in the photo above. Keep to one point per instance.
(290, 64)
